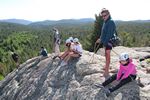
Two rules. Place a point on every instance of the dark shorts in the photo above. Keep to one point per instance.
(108, 46)
(16, 60)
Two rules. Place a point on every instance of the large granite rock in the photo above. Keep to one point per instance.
(46, 80)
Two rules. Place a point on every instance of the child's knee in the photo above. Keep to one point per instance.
(71, 53)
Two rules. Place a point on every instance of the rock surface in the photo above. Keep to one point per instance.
(46, 80)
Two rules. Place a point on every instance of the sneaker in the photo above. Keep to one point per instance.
(107, 92)
(99, 85)
(56, 57)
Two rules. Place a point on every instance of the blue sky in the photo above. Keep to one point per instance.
(38, 10)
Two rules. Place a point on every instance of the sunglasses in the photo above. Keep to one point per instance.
(104, 15)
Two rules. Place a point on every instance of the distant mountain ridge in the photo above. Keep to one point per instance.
(18, 21)
(48, 22)
(62, 22)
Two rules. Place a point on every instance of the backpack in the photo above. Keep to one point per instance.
(115, 40)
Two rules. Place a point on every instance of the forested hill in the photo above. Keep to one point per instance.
(49, 22)
(64, 22)
(26, 40)
(17, 21)
(134, 33)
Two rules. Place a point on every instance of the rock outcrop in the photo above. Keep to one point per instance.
(47, 80)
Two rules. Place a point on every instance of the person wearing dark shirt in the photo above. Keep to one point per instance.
(43, 52)
(15, 57)
(107, 33)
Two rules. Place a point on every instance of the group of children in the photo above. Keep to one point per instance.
(74, 50)
(126, 73)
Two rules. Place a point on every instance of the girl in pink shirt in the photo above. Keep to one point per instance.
(126, 73)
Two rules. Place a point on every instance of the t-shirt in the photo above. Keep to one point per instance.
(15, 57)
(57, 37)
(72, 46)
(108, 31)
(44, 52)
(78, 48)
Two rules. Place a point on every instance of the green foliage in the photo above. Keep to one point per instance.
(27, 40)
(2, 71)
(134, 34)
(27, 43)
(1, 77)
(126, 39)
(18, 42)
(96, 33)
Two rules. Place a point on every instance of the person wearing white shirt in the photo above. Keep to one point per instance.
(67, 51)
(56, 41)
(75, 52)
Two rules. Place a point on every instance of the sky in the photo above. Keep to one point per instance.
(39, 10)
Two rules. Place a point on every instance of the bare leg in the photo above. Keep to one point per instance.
(66, 59)
(64, 54)
(57, 50)
(71, 54)
(17, 64)
(107, 57)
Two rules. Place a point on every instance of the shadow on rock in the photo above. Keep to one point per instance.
(130, 91)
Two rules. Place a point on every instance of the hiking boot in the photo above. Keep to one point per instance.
(107, 92)
(56, 57)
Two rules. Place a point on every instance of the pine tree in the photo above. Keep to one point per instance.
(97, 31)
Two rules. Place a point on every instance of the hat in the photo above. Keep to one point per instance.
(68, 41)
(75, 40)
(124, 56)
(71, 39)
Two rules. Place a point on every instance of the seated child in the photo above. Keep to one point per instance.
(68, 45)
(71, 39)
(75, 52)
(126, 73)
(43, 52)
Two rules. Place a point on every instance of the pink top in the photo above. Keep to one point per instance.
(130, 69)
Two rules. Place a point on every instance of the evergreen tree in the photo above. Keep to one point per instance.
(97, 32)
